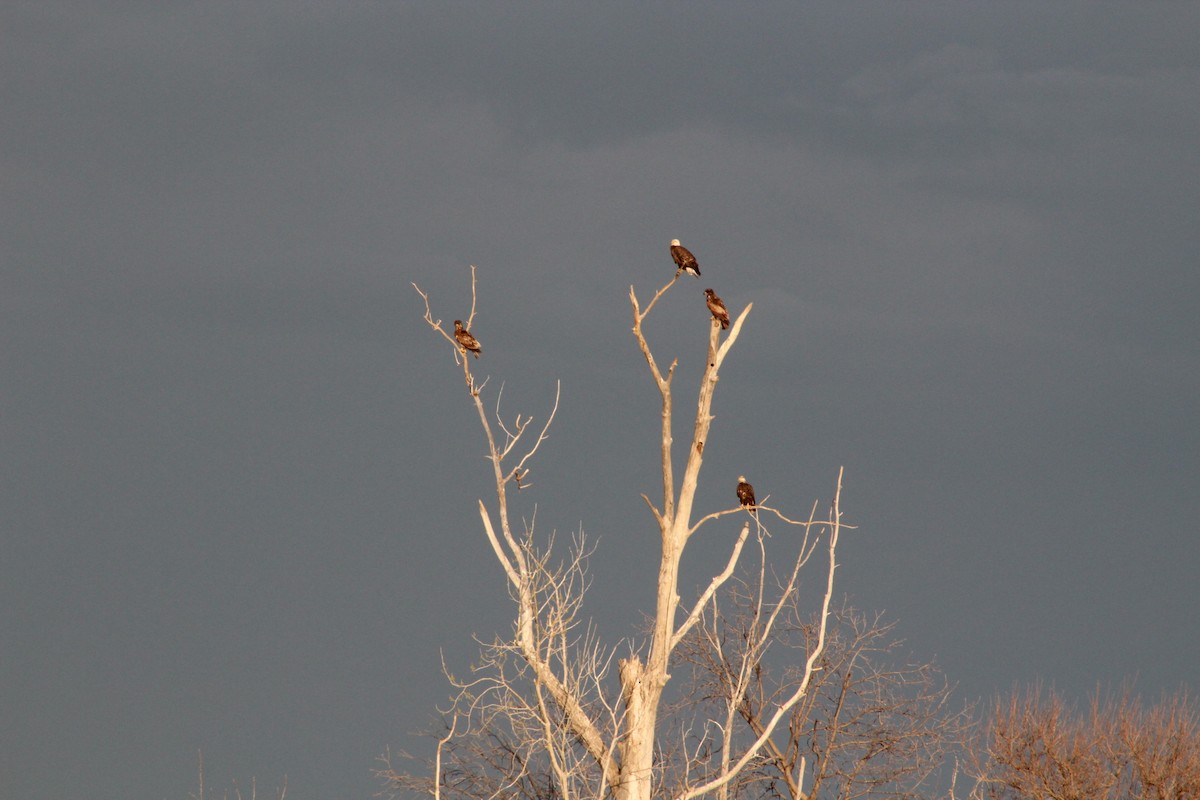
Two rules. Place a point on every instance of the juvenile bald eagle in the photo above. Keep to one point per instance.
(719, 312)
(684, 260)
(745, 493)
(465, 340)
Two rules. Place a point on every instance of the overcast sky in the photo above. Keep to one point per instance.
(240, 474)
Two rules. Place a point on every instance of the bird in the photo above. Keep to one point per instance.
(745, 493)
(465, 340)
(684, 260)
(717, 307)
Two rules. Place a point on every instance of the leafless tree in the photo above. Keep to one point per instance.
(1036, 747)
(551, 712)
(202, 793)
(867, 726)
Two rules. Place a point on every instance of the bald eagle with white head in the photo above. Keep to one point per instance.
(745, 495)
(684, 260)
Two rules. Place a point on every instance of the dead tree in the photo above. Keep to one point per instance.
(1036, 747)
(565, 725)
(866, 727)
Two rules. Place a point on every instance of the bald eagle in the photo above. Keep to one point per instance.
(745, 493)
(719, 312)
(465, 340)
(684, 260)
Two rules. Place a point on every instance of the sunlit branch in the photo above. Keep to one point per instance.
(809, 667)
(714, 585)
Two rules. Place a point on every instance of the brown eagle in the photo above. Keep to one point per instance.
(684, 260)
(745, 493)
(717, 307)
(465, 340)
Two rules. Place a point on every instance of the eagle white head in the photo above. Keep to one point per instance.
(741, 478)
(674, 243)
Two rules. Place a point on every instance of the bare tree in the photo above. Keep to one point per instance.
(202, 793)
(553, 712)
(867, 727)
(1036, 747)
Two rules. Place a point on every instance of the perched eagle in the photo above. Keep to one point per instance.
(684, 260)
(745, 493)
(465, 340)
(719, 312)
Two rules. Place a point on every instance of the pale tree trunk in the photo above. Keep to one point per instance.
(643, 684)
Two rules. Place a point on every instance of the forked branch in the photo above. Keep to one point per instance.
(810, 665)
(541, 600)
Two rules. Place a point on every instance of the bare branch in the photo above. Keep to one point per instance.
(437, 769)
(658, 517)
(520, 468)
(437, 324)
(664, 389)
(471, 316)
(501, 555)
(638, 314)
(808, 523)
(753, 751)
(717, 582)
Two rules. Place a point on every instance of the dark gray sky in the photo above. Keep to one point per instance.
(239, 473)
